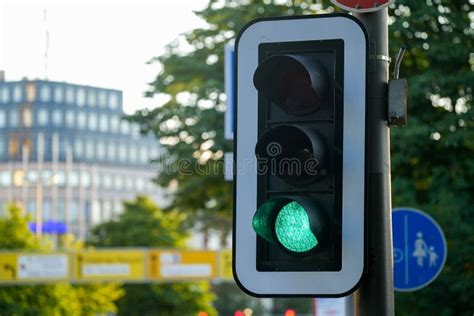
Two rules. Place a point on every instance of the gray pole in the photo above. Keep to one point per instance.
(375, 296)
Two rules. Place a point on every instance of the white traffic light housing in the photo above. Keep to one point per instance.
(299, 212)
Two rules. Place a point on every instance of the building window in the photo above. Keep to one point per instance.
(47, 177)
(106, 210)
(140, 185)
(32, 176)
(27, 146)
(89, 149)
(100, 150)
(31, 209)
(69, 95)
(5, 179)
(58, 94)
(102, 98)
(144, 154)
(114, 124)
(45, 93)
(93, 121)
(4, 95)
(81, 120)
(13, 119)
(2, 147)
(112, 152)
(73, 179)
(46, 209)
(78, 148)
(135, 130)
(43, 117)
(17, 93)
(129, 183)
(61, 211)
(125, 127)
(81, 97)
(96, 216)
(91, 97)
(57, 117)
(30, 92)
(133, 153)
(85, 179)
(13, 146)
(70, 117)
(113, 100)
(118, 182)
(18, 178)
(74, 212)
(107, 181)
(60, 178)
(3, 118)
(104, 123)
(122, 152)
(26, 116)
(118, 207)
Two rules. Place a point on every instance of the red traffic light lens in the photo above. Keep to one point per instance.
(296, 83)
(293, 89)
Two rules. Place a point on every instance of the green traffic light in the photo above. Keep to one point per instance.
(285, 221)
(293, 230)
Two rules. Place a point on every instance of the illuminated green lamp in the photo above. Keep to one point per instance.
(287, 223)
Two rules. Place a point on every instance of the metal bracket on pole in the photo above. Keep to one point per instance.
(397, 95)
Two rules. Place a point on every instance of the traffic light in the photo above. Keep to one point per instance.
(299, 211)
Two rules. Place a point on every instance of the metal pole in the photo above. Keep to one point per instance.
(376, 296)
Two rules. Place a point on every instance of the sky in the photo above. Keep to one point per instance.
(102, 43)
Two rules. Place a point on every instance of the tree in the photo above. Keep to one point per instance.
(143, 224)
(432, 158)
(432, 164)
(54, 299)
(190, 126)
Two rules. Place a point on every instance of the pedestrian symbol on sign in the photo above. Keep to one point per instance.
(422, 251)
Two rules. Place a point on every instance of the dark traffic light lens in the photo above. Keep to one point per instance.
(295, 154)
(293, 90)
(295, 83)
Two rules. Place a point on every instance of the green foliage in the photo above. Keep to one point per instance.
(432, 158)
(143, 224)
(48, 300)
(14, 230)
(190, 125)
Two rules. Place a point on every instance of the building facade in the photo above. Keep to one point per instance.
(67, 154)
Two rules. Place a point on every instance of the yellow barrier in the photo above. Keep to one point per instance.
(130, 265)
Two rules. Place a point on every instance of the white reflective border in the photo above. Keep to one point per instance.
(301, 283)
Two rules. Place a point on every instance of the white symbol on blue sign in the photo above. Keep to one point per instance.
(419, 249)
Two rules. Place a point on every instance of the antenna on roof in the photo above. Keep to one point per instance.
(45, 21)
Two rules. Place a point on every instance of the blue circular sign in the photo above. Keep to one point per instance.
(419, 249)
